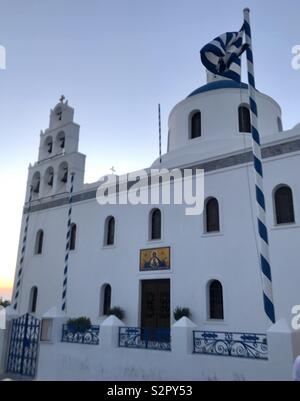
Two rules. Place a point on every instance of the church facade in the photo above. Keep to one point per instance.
(80, 258)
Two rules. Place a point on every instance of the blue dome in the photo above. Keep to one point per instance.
(224, 84)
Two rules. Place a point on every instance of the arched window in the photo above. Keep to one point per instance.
(39, 242)
(216, 309)
(284, 205)
(58, 112)
(244, 119)
(49, 144)
(64, 177)
(279, 124)
(61, 140)
(155, 224)
(73, 234)
(36, 181)
(212, 217)
(49, 177)
(195, 124)
(33, 299)
(110, 231)
(106, 299)
(63, 172)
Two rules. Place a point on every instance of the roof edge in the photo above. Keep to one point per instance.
(222, 84)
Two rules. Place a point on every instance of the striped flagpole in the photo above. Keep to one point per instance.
(68, 237)
(260, 197)
(23, 250)
(159, 129)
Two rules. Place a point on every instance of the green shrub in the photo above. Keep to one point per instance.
(80, 324)
(4, 303)
(117, 311)
(181, 312)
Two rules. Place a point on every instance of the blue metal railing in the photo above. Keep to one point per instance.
(89, 337)
(237, 345)
(144, 338)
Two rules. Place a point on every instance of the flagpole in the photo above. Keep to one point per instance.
(159, 129)
(67, 249)
(258, 166)
(19, 276)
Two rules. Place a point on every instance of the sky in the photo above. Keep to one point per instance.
(115, 61)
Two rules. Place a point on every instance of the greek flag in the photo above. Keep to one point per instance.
(222, 55)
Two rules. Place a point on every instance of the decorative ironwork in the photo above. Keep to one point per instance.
(89, 337)
(135, 337)
(238, 345)
(24, 343)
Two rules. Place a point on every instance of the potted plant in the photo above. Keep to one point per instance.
(181, 312)
(79, 325)
(117, 311)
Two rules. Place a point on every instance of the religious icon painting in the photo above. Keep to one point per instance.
(155, 259)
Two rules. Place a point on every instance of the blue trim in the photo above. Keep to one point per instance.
(247, 28)
(266, 268)
(260, 198)
(251, 79)
(258, 166)
(253, 106)
(263, 232)
(269, 308)
(222, 84)
(255, 135)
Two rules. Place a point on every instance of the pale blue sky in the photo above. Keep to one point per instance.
(115, 60)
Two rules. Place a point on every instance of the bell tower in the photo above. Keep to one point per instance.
(58, 156)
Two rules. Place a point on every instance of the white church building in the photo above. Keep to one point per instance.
(150, 259)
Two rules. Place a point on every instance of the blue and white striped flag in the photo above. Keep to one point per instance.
(222, 55)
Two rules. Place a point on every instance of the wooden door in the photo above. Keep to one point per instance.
(155, 311)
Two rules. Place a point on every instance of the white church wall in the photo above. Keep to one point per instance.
(44, 271)
(106, 361)
(194, 260)
(284, 239)
(7, 316)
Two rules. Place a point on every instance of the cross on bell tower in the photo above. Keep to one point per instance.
(59, 109)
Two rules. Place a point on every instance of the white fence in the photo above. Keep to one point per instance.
(108, 361)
